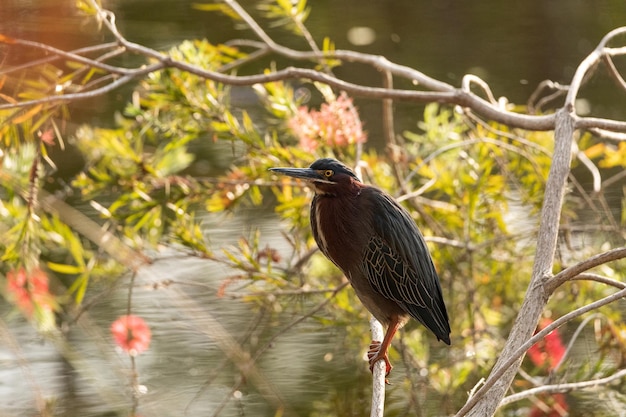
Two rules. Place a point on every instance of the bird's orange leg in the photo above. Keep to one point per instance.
(378, 350)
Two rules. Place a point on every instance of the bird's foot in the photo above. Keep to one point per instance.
(374, 355)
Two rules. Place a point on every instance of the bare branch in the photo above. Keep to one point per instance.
(571, 272)
(378, 375)
(442, 92)
(573, 340)
(52, 58)
(557, 388)
(535, 299)
(487, 399)
(593, 170)
(470, 79)
(64, 98)
(614, 72)
(607, 134)
(588, 63)
(586, 276)
(516, 356)
(599, 123)
(535, 103)
(378, 62)
(615, 178)
(72, 57)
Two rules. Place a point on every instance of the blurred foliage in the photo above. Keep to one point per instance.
(480, 191)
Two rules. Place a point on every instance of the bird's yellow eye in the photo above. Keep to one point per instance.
(328, 173)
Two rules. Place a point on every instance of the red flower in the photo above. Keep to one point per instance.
(549, 351)
(131, 333)
(29, 290)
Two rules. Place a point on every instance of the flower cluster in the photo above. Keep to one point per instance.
(29, 290)
(336, 124)
(132, 334)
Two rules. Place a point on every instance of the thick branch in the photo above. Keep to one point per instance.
(536, 298)
(485, 394)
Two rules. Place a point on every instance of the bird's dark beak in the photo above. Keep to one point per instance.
(306, 174)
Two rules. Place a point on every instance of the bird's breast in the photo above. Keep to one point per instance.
(340, 229)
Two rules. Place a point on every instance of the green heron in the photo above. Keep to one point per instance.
(377, 245)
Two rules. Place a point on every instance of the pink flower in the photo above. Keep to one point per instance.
(336, 124)
(47, 137)
(29, 290)
(131, 333)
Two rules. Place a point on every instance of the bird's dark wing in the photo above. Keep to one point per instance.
(398, 265)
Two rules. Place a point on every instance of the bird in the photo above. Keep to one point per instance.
(374, 241)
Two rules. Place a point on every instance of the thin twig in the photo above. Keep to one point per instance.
(571, 272)
(586, 276)
(64, 98)
(572, 341)
(52, 58)
(284, 330)
(559, 388)
(617, 77)
(213, 329)
(588, 63)
(535, 103)
(73, 57)
(593, 170)
(470, 79)
(12, 345)
(299, 320)
(615, 178)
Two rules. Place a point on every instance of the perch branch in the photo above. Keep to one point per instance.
(378, 374)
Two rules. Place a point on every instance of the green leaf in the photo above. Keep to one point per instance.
(65, 269)
(79, 287)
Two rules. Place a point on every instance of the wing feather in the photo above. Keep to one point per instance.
(398, 265)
